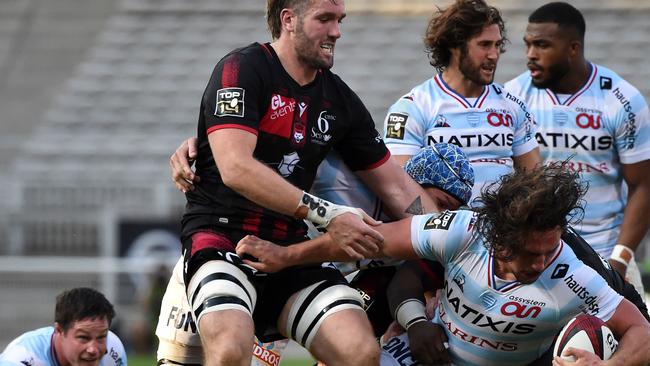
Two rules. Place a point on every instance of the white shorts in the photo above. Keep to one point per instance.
(178, 336)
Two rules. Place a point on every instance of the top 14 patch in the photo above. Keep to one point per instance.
(441, 221)
(230, 102)
(396, 125)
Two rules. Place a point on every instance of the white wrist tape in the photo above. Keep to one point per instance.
(622, 254)
(321, 212)
(409, 312)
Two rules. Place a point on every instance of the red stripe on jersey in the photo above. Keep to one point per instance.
(431, 275)
(230, 72)
(278, 118)
(232, 125)
(209, 240)
(252, 223)
(442, 87)
(483, 97)
(280, 230)
(379, 163)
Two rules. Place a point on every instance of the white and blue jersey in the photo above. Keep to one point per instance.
(490, 321)
(490, 129)
(35, 348)
(602, 126)
(336, 183)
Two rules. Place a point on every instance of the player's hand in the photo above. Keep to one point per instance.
(355, 236)
(432, 304)
(179, 163)
(583, 358)
(618, 267)
(393, 330)
(426, 341)
(270, 257)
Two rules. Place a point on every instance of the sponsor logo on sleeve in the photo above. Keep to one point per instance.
(605, 83)
(441, 221)
(590, 302)
(396, 126)
(560, 271)
(230, 102)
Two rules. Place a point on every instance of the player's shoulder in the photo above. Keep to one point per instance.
(34, 338)
(511, 97)
(31, 347)
(614, 85)
(115, 352)
(520, 85)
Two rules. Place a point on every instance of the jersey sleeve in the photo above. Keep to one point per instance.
(581, 287)
(631, 120)
(362, 147)
(231, 98)
(524, 126)
(18, 355)
(405, 127)
(441, 236)
(115, 353)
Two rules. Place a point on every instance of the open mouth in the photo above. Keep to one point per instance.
(489, 68)
(535, 71)
(328, 47)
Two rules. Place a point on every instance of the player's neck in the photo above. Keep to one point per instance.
(299, 72)
(455, 79)
(502, 270)
(58, 349)
(574, 80)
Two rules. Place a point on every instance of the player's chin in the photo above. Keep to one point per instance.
(89, 362)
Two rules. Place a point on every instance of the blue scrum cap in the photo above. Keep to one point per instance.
(443, 166)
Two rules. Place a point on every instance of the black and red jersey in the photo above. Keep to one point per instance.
(296, 126)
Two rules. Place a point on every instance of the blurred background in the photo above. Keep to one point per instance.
(95, 95)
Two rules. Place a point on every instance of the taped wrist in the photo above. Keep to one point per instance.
(622, 254)
(409, 312)
(319, 211)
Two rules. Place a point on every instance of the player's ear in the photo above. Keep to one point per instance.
(288, 19)
(576, 48)
(58, 328)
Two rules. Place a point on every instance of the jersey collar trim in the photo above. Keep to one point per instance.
(461, 99)
(53, 351)
(492, 280)
(556, 101)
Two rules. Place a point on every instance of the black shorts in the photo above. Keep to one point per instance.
(273, 289)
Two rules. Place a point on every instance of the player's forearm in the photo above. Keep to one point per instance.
(318, 250)
(635, 219)
(633, 348)
(260, 184)
(401, 195)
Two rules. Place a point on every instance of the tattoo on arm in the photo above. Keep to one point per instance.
(415, 208)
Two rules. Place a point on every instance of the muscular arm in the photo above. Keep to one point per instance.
(233, 152)
(528, 160)
(272, 257)
(401, 159)
(635, 219)
(400, 194)
(630, 327)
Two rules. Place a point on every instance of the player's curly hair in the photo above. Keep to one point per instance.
(454, 26)
(525, 201)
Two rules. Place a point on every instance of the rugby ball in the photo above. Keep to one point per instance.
(588, 333)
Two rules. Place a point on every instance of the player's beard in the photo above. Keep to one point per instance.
(472, 71)
(309, 51)
(555, 74)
